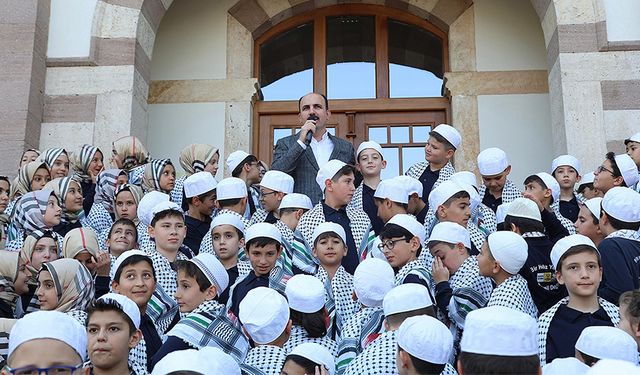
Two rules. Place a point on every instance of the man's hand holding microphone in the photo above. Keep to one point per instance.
(308, 128)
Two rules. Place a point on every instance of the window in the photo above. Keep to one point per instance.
(403, 146)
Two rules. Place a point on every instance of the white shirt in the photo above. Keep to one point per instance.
(321, 149)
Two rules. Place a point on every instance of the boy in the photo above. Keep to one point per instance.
(596, 343)
(496, 188)
(370, 163)
(632, 145)
(586, 189)
(481, 215)
(566, 170)
(441, 146)
(145, 214)
(616, 170)
(198, 204)
(630, 314)
(543, 188)
(416, 205)
(390, 199)
(424, 347)
(274, 186)
(588, 223)
(577, 264)
(501, 258)
(296, 255)
(123, 236)
(245, 167)
(113, 323)
(336, 181)
(619, 223)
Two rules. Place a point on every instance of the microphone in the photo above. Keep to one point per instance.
(307, 139)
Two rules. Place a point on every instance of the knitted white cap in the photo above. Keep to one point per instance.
(409, 223)
(316, 353)
(392, 190)
(425, 338)
(564, 244)
(551, 183)
(622, 203)
(327, 171)
(328, 226)
(628, 169)
(450, 134)
(608, 342)
(235, 158)
(126, 305)
(525, 208)
(264, 313)
(372, 280)
(277, 181)
(509, 249)
(492, 161)
(231, 188)
(262, 230)
(296, 200)
(305, 293)
(406, 297)
(568, 160)
(213, 270)
(450, 232)
(369, 144)
(199, 183)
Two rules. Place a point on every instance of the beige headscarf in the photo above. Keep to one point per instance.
(78, 240)
(73, 282)
(25, 176)
(29, 245)
(137, 193)
(195, 157)
(131, 151)
(8, 275)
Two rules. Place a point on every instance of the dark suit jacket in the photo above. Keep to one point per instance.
(301, 164)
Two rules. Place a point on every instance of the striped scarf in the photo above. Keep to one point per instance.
(195, 157)
(106, 185)
(73, 283)
(29, 245)
(30, 209)
(135, 191)
(8, 275)
(60, 187)
(152, 173)
(50, 156)
(82, 161)
(25, 176)
(131, 152)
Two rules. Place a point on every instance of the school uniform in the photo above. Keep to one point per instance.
(299, 335)
(239, 271)
(262, 216)
(196, 230)
(363, 200)
(277, 280)
(338, 302)
(620, 269)
(206, 246)
(430, 179)
(509, 193)
(267, 358)
(570, 209)
(165, 274)
(358, 331)
(514, 293)
(566, 223)
(152, 340)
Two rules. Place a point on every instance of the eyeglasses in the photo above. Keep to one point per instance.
(265, 194)
(53, 370)
(389, 244)
(601, 169)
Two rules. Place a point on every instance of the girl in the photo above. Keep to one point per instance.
(195, 158)
(57, 160)
(70, 193)
(36, 210)
(125, 206)
(28, 156)
(101, 216)
(4, 214)
(88, 164)
(131, 155)
(81, 244)
(159, 175)
(39, 247)
(13, 283)
(31, 177)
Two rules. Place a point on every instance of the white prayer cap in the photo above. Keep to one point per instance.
(125, 255)
(551, 183)
(369, 144)
(568, 160)
(608, 342)
(180, 360)
(296, 200)
(231, 188)
(465, 177)
(442, 193)
(218, 362)
(450, 134)
(165, 206)
(450, 232)
(474, 196)
(305, 293)
(392, 190)
(622, 203)
(613, 366)
(525, 208)
(328, 226)
(594, 205)
(372, 280)
(126, 305)
(327, 171)
(633, 138)
(199, 183)
(492, 161)
(564, 244)
(564, 366)
(147, 203)
(277, 181)
(264, 313)
(263, 230)
(406, 297)
(235, 158)
(501, 212)
(509, 249)
(411, 184)
(409, 223)
(587, 178)
(316, 353)
(49, 325)
(425, 338)
(628, 169)
(499, 330)
(213, 270)
(227, 218)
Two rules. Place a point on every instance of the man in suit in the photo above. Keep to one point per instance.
(300, 157)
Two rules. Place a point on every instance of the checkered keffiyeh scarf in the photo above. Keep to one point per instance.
(356, 200)
(358, 332)
(514, 293)
(509, 192)
(338, 302)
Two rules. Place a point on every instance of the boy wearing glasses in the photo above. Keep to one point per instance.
(273, 188)
(245, 167)
(616, 170)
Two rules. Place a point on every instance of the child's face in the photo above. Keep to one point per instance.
(169, 233)
(122, 179)
(226, 242)
(591, 192)
(46, 292)
(263, 259)
(96, 164)
(436, 152)
(270, 199)
(168, 178)
(40, 178)
(28, 157)
(73, 200)
(46, 250)
(207, 204)
(342, 190)
(188, 294)
(329, 250)
(604, 179)
(566, 176)
(52, 213)
(87, 260)
(399, 251)
(452, 258)
(633, 150)
(581, 274)
(109, 339)
(385, 213)
(495, 183)
(370, 163)
(136, 282)
(126, 206)
(43, 353)
(538, 191)
(20, 284)
(486, 262)
(4, 195)
(122, 238)
(627, 324)
(459, 211)
(212, 166)
(585, 225)
(60, 167)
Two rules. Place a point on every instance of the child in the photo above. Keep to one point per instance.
(70, 193)
(145, 214)
(424, 346)
(616, 170)
(159, 175)
(245, 167)
(596, 343)
(589, 220)
(193, 159)
(122, 237)
(5, 189)
(14, 278)
(125, 203)
(101, 216)
(501, 258)
(632, 145)
(57, 160)
(370, 163)
(88, 163)
(81, 244)
(586, 189)
(577, 264)
(274, 186)
(291, 209)
(566, 170)
(390, 199)
(311, 358)
(416, 205)
(39, 247)
(198, 204)
(207, 360)
(32, 176)
(630, 314)
(481, 216)
(543, 188)
(442, 144)
(131, 155)
(38, 210)
(29, 155)
(496, 188)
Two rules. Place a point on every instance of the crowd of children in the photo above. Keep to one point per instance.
(118, 267)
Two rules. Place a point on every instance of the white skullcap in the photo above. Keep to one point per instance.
(613, 366)
(564, 366)
(409, 223)
(305, 293)
(628, 169)
(180, 360)
(147, 203)
(126, 305)
(411, 184)
(277, 181)
(264, 313)
(622, 203)
(328, 226)
(316, 353)
(49, 325)
(327, 171)
(231, 188)
(633, 138)
(492, 161)
(406, 297)
(551, 183)
(499, 330)
(198, 184)
(608, 342)
(450, 232)
(392, 190)
(474, 196)
(564, 244)
(125, 255)
(165, 206)
(525, 208)
(235, 158)
(227, 218)
(442, 193)
(218, 362)
(465, 177)
(594, 205)
(425, 338)
(587, 179)
(501, 212)
(568, 160)
(509, 249)
(213, 270)
(369, 144)
(372, 280)
(450, 134)
(296, 200)
(262, 230)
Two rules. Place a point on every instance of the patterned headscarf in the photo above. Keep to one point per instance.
(29, 245)
(73, 283)
(152, 173)
(8, 275)
(25, 176)
(195, 157)
(137, 193)
(82, 161)
(131, 151)
(60, 187)
(79, 240)
(30, 209)
(50, 155)
(106, 185)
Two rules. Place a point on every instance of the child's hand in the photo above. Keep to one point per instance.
(439, 271)
(320, 370)
(534, 199)
(103, 264)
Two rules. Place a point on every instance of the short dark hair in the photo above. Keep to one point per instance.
(127, 222)
(458, 195)
(394, 230)
(187, 201)
(447, 145)
(398, 318)
(248, 160)
(403, 205)
(308, 365)
(524, 224)
(314, 323)
(472, 363)
(191, 270)
(536, 179)
(345, 170)
(166, 214)
(589, 360)
(424, 367)
(326, 101)
(631, 299)
(619, 224)
(6, 179)
(291, 209)
(262, 242)
(132, 260)
(328, 235)
(614, 166)
(583, 187)
(228, 202)
(101, 305)
(578, 249)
